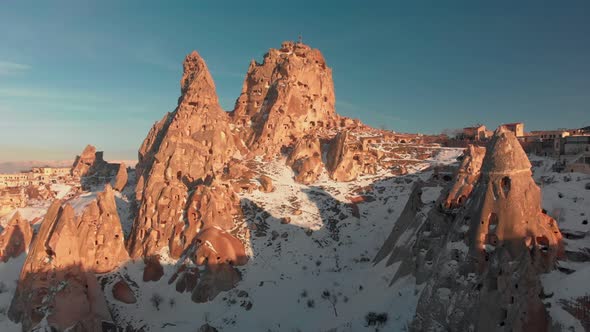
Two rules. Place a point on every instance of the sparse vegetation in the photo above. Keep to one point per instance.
(156, 300)
(376, 319)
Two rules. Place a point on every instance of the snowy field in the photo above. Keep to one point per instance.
(315, 273)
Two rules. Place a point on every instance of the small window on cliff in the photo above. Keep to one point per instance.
(506, 182)
(179, 175)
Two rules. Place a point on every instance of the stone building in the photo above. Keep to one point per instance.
(36, 176)
(475, 133)
(574, 144)
(517, 128)
(12, 198)
(580, 165)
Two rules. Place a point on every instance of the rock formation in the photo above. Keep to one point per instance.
(266, 184)
(15, 238)
(84, 161)
(306, 159)
(481, 267)
(121, 178)
(180, 152)
(290, 94)
(341, 162)
(58, 279)
(467, 176)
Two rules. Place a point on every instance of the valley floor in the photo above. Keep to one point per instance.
(316, 273)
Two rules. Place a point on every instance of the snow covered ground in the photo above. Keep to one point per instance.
(566, 199)
(315, 273)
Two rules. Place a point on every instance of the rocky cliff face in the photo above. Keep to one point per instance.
(306, 159)
(287, 96)
(121, 178)
(58, 281)
(481, 273)
(85, 161)
(341, 162)
(15, 238)
(467, 176)
(187, 146)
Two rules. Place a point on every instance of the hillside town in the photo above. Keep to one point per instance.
(569, 147)
(39, 184)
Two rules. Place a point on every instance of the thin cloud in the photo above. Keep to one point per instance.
(10, 68)
(42, 94)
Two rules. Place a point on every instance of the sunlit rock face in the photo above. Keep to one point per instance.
(85, 161)
(342, 162)
(181, 151)
(480, 264)
(121, 178)
(58, 280)
(467, 176)
(287, 96)
(486, 275)
(305, 159)
(15, 238)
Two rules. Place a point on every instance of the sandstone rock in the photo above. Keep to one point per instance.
(215, 247)
(15, 238)
(85, 161)
(214, 205)
(216, 279)
(341, 162)
(121, 178)
(188, 279)
(123, 293)
(266, 184)
(152, 270)
(219, 251)
(306, 160)
(290, 94)
(58, 279)
(481, 266)
(187, 146)
(467, 176)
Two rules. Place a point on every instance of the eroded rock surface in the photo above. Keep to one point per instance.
(481, 266)
(180, 152)
(58, 279)
(85, 161)
(467, 176)
(341, 162)
(15, 238)
(287, 96)
(306, 159)
(121, 178)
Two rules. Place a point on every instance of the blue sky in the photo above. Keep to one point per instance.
(102, 72)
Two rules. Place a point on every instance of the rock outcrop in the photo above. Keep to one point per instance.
(85, 161)
(58, 279)
(287, 96)
(481, 266)
(212, 205)
(121, 178)
(467, 176)
(306, 159)
(181, 151)
(266, 184)
(341, 162)
(15, 238)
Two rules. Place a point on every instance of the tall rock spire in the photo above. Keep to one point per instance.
(481, 263)
(290, 94)
(184, 149)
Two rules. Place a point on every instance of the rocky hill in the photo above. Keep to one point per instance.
(282, 215)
